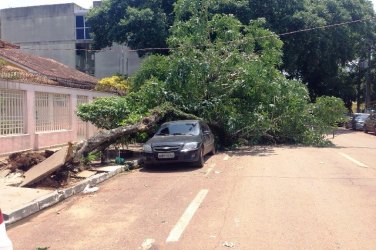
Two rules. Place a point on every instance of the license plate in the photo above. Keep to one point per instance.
(166, 155)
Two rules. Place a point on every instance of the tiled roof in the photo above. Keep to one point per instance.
(6, 45)
(53, 70)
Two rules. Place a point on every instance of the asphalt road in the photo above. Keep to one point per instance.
(255, 198)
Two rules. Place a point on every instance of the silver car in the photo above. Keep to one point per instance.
(358, 121)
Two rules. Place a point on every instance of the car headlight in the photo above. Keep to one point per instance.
(190, 146)
(147, 148)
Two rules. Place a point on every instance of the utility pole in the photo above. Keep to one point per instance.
(368, 80)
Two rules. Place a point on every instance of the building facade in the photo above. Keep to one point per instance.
(60, 32)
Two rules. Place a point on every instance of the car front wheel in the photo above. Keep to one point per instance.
(200, 162)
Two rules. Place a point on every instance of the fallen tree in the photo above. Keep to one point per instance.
(105, 138)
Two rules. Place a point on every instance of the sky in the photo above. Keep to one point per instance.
(83, 3)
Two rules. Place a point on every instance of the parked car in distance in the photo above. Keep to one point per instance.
(370, 124)
(184, 141)
(357, 122)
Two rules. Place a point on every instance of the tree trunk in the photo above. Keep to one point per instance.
(106, 138)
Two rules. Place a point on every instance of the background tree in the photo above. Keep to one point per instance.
(315, 57)
(138, 24)
(117, 84)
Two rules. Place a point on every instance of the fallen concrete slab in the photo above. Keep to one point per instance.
(47, 167)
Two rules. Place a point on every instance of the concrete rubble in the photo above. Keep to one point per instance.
(18, 202)
(48, 166)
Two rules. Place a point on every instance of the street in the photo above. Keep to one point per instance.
(274, 197)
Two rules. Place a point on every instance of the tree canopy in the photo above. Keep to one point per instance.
(316, 56)
(227, 73)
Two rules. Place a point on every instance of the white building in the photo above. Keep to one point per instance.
(60, 32)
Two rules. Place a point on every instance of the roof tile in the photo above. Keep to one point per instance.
(50, 68)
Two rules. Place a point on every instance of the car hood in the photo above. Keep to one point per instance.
(172, 140)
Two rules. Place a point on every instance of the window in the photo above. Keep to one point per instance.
(82, 29)
(12, 112)
(80, 22)
(85, 59)
(52, 112)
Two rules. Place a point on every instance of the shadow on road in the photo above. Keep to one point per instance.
(262, 151)
(343, 131)
(351, 147)
(172, 167)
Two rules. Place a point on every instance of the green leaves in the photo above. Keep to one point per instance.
(225, 72)
(328, 111)
(106, 113)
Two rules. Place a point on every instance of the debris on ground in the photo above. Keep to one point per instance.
(147, 244)
(25, 161)
(229, 244)
(89, 189)
(119, 160)
(85, 174)
(52, 168)
(47, 167)
(12, 179)
(3, 164)
(4, 172)
(50, 182)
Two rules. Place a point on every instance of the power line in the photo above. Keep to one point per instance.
(261, 37)
(320, 27)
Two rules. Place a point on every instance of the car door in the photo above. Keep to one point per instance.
(208, 138)
(372, 123)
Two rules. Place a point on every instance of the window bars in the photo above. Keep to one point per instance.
(12, 112)
(52, 112)
(82, 127)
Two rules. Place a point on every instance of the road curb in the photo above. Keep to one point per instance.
(59, 195)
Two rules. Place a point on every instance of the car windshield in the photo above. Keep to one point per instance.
(361, 117)
(179, 129)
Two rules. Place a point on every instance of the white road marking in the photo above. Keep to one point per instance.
(226, 158)
(184, 220)
(360, 164)
(210, 169)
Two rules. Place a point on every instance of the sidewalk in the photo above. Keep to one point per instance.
(19, 202)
